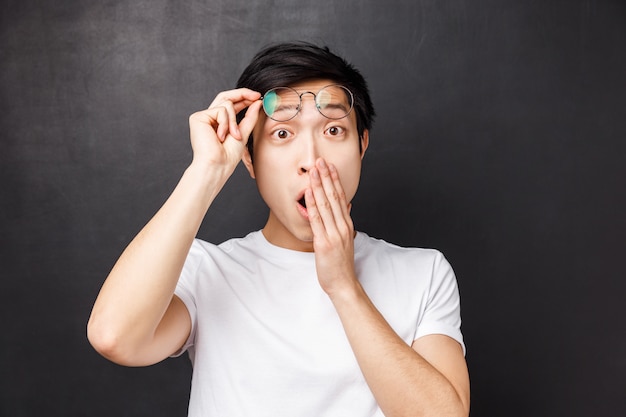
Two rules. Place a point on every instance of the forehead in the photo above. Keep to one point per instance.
(311, 85)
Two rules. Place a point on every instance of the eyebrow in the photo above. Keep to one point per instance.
(339, 106)
(285, 107)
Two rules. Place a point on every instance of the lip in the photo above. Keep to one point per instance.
(301, 208)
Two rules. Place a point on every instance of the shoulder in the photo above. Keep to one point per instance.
(205, 255)
(368, 247)
(425, 266)
(230, 247)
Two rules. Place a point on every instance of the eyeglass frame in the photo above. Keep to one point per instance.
(317, 106)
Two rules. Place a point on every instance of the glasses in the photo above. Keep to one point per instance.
(283, 103)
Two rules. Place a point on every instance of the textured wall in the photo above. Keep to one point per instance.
(499, 140)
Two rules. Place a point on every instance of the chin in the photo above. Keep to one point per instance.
(304, 236)
(303, 240)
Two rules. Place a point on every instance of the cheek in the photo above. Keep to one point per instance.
(349, 175)
(266, 182)
(271, 181)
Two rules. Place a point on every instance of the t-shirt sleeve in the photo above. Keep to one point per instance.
(443, 310)
(185, 290)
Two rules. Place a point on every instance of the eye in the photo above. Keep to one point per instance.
(334, 131)
(281, 134)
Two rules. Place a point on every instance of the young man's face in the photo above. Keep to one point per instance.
(284, 152)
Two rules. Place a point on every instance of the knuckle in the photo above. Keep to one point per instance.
(314, 216)
(346, 231)
(196, 115)
(221, 96)
(324, 243)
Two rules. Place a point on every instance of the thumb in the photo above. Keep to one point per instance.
(249, 121)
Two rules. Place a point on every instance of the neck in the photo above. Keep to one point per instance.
(278, 235)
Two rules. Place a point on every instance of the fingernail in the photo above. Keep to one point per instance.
(314, 173)
(323, 163)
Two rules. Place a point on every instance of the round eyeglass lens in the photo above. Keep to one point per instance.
(334, 101)
(281, 103)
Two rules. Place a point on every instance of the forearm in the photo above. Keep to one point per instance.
(135, 319)
(402, 381)
(140, 286)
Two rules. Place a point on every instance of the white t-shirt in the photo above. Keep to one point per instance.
(266, 340)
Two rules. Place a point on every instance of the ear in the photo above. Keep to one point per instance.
(365, 141)
(247, 161)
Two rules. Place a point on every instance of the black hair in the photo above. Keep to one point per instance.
(286, 64)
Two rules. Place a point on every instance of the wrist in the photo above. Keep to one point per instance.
(201, 185)
(347, 294)
(207, 177)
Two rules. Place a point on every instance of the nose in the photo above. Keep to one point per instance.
(309, 154)
(309, 151)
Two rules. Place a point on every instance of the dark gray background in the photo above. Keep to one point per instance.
(499, 141)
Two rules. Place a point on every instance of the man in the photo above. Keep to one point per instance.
(306, 316)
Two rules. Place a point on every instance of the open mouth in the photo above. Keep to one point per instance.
(302, 202)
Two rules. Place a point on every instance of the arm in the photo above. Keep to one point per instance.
(430, 377)
(136, 319)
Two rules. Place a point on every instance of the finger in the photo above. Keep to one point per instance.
(315, 220)
(222, 122)
(331, 188)
(333, 192)
(233, 101)
(249, 121)
(231, 119)
(203, 122)
(241, 98)
(344, 205)
(322, 204)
